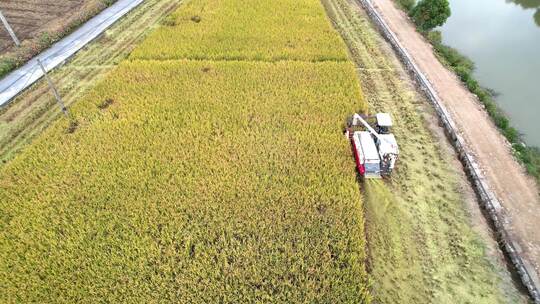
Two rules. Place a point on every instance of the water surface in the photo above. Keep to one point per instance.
(502, 37)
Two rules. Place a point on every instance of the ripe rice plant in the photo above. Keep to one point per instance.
(197, 181)
(200, 182)
(246, 30)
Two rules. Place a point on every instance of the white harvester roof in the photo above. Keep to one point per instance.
(388, 144)
(366, 146)
(384, 119)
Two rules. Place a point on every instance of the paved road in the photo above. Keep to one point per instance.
(25, 76)
(515, 189)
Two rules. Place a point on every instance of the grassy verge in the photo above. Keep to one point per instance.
(195, 181)
(464, 68)
(407, 5)
(421, 244)
(30, 48)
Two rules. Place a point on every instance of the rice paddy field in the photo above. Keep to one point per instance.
(221, 179)
(210, 166)
(32, 111)
(242, 30)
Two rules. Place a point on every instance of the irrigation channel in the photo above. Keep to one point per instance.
(502, 37)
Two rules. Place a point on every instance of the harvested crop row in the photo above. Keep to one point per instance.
(246, 30)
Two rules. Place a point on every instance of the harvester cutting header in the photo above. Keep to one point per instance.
(375, 151)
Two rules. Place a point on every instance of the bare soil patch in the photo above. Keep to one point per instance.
(32, 18)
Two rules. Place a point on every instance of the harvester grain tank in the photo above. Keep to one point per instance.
(375, 150)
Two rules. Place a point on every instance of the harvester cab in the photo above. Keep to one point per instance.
(384, 123)
(375, 150)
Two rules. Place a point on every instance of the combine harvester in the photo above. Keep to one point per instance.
(375, 151)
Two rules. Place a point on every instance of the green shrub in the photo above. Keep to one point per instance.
(428, 14)
(6, 65)
(435, 37)
(454, 58)
(462, 72)
(502, 122)
(483, 96)
(473, 85)
(407, 4)
(530, 156)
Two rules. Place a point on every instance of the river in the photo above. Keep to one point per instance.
(502, 37)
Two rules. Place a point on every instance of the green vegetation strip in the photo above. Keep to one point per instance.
(195, 182)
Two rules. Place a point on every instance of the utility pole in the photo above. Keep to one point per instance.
(10, 30)
(41, 66)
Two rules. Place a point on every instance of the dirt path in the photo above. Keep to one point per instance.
(517, 192)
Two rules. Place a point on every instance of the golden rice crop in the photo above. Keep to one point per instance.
(246, 30)
(200, 182)
(197, 181)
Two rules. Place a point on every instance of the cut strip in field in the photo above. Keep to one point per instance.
(246, 30)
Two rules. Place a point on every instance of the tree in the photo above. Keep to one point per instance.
(407, 5)
(428, 14)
